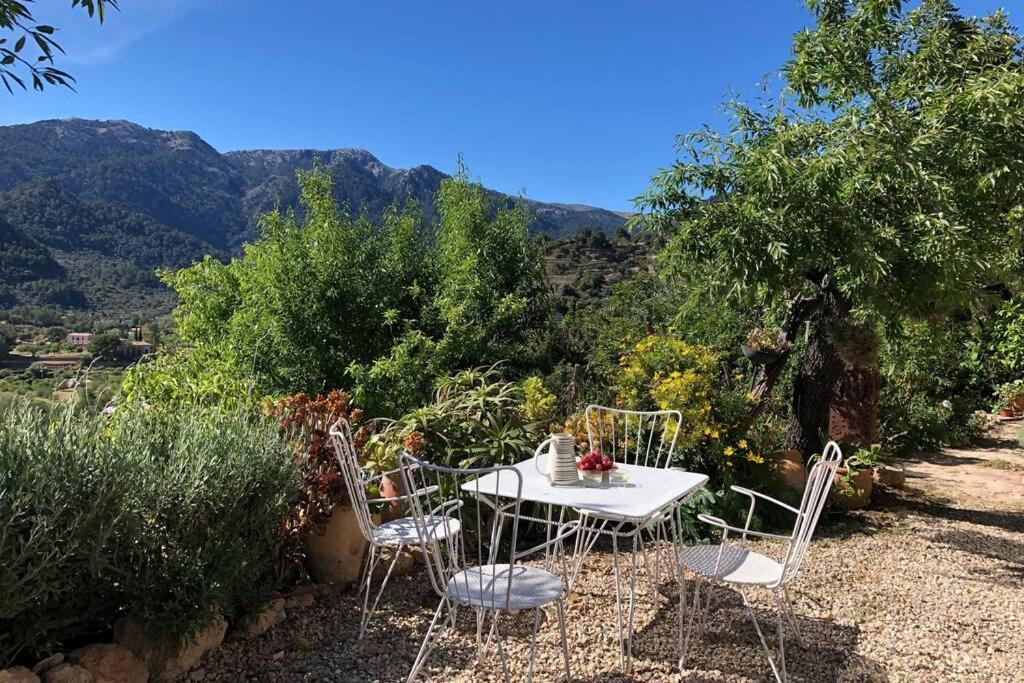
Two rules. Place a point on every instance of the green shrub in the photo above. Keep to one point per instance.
(477, 419)
(169, 516)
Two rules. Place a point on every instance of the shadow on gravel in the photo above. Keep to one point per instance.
(914, 502)
(730, 645)
(1010, 552)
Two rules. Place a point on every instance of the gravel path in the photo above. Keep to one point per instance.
(921, 589)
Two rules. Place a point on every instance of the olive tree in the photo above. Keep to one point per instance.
(884, 182)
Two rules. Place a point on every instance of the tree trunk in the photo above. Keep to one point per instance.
(854, 414)
(766, 376)
(815, 380)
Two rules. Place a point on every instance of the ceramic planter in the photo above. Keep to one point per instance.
(844, 498)
(335, 549)
(1006, 412)
(790, 468)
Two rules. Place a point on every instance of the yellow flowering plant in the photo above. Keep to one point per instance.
(665, 373)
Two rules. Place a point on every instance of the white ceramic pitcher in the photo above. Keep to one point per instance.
(560, 464)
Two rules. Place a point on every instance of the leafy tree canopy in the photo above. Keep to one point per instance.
(891, 167)
(327, 300)
(17, 20)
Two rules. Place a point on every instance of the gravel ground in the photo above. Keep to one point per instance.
(918, 590)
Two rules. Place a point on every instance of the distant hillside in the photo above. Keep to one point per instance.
(583, 267)
(91, 208)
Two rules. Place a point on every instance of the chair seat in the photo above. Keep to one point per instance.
(404, 532)
(738, 565)
(488, 587)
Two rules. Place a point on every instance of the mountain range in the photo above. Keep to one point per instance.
(90, 209)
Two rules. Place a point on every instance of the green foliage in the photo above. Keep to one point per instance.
(1008, 335)
(477, 419)
(167, 516)
(492, 294)
(192, 376)
(329, 301)
(893, 174)
(37, 61)
(540, 404)
(936, 375)
(105, 345)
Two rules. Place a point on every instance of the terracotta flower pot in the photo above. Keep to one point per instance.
(335, 549)
(393, 488)
(790, 468)
(844, 498)
(1006, 412)
(1018, 404)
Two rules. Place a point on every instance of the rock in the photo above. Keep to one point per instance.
(277, 656)
(892, 477)
(18, 674)
(110, 663)
(402, 567)
(165, 662)
(300, 601)
(418, 555)
(48, 663)
(255, 625)
(68, 673)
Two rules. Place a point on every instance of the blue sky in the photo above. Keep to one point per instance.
(566, 101)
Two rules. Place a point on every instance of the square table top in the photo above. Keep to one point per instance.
(648, 490)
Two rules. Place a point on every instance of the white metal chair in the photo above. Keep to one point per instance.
(731, 564)
(633, 437)
(472, 565)
(396, 534)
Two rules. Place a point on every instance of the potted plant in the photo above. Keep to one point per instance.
(762, 347)
(595, 467)
(854, 480)
(1010, 398)
(322, 528)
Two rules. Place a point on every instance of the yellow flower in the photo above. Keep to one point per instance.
(739, 377)
(714, 434)
(728, 451)
(742, 444)
(707, 431)
(757, 459)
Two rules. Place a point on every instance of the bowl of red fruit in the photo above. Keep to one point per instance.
(595, 467)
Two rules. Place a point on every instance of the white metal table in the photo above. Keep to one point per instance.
(649, 493)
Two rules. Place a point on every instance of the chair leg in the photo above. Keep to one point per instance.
(792, 618)
(565, 640)
(533, 644)
(690, 625)
(618, 600)
(367, 583)
(676, 546)
(778, 667)
(368, 613)
(632, 606)
(501, 647)
(434, 632)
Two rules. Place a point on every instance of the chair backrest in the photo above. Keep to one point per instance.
(634, 437)
(348, 460)
(819, 483)
(461, 528)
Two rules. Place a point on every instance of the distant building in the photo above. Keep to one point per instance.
(78, 339)
(135, 350)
